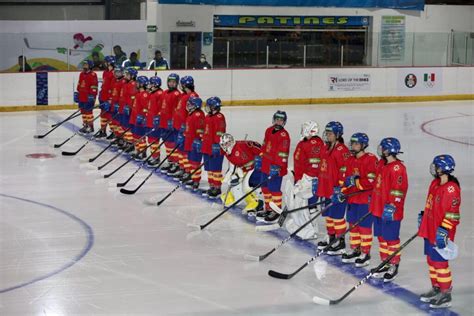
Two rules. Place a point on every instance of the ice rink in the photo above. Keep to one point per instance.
(71, 245)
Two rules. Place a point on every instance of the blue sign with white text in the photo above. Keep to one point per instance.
(392, 4)
(279, 21)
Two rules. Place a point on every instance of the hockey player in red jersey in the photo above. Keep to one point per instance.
(359, 176)
(437, 225)
(153, 119)
(179, 123)
(245, 156)
(168, 106)
(387, 204)
(192, 142)
(126, 100)
(307, 156)
(117, 86)
(275, 151)
(85, 96)
(105, 96)
(338, 156)
(138, 118)
(215, 126)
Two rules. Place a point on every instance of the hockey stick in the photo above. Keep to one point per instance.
(73, 153)
(125, 191)
(68, 119)
(178, 186)
(284, 241)
(285, 276)
(130, 159)
(27, 44)
(75, 133)
(54, 126)
(323, 301)
(201, 227)
(115, 141)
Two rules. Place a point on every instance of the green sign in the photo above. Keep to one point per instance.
(151, 28)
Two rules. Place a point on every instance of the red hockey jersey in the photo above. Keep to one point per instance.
(365, 167)
(307, 157)
(154, 106)
(391, 185)
(140, 106)
(168, 106)
(106, 89)
(117, 86)
(180, 113)
(194, 128)
(214, 127)
(441, 209)
(276, 148)
(243, 154)
(87, 85)
(127, 95)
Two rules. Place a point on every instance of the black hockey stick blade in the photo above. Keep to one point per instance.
(279, 275)
(39, 136)
(122, 184)
(129, 192)
(73, 153)
(64, 142)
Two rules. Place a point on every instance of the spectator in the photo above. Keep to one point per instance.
(21, 61)
(133, 62)
(158, 63)
(203, 64)
(98, 64)
(120, 56)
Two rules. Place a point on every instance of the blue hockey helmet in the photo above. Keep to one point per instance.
(155, 81)
(132, 72)
(335, 127)
(360, 138)
(187, 82)
(142, 81)
(444, 163)
(110, 59)
(390, 145)
(213, 104)
(194, 103)
(173, 76)
(88, 62)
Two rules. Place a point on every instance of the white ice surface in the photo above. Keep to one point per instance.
(145, 260)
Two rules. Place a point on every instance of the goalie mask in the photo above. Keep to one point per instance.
(309, 129)
(227, 143)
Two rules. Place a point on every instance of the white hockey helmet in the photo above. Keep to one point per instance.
(227, 143)
(309, 129)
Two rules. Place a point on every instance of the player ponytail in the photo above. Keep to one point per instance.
(453, 179)
(340, 139)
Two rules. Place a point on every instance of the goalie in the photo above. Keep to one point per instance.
(246, 157)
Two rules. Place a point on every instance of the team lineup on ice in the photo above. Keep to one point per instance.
(370, 196)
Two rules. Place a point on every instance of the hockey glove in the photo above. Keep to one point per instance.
(274, 171)
(420, 218)
(105, 106)
(140, 120)
(350, 181)
(76, 97)
(441, 237)
(197, 145)
(180, 139)
(156, 121)
(116, 108)
(170, 125)
(258, 163)
(91, 100)
(126, 110)
(388, 213)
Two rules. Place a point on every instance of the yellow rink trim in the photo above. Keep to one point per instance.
(264, 102)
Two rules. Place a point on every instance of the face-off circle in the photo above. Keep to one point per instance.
(40, 156)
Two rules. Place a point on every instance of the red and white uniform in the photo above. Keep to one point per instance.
(87, 85)
(243, 154)
(117, 86)
(307, 157)
(366, 168)
(154, 106)
(276, 148)
(441, 209)
(215, 126)
(391, 186)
